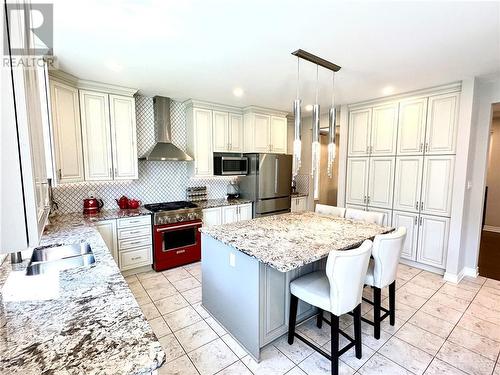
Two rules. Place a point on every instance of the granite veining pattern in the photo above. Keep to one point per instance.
(94, 327)
(291, 240)
(211, 203)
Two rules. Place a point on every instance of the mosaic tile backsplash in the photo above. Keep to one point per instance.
(159, 181)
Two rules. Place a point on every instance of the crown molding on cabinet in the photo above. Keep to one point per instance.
(264, 110)
(212, 106)
(71, 80)
(436, 90)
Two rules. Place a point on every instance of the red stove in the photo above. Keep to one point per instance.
(176, 238)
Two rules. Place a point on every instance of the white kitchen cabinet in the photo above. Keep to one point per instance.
(381, 180)
(235, 132)
(200, 140)
(245, 211)
(437, 185)
(384, 130)
(433, 240)
(411, 126)
(410, 222)
(408, 183)
(68, 152)
(359, 132)
(96, 135)
(229, 214)
(123, 132)
(278, 135)
(107, 230)
(135, 242)
(298, 204)
(220, 131)
(388, 214)
(212, 216)
(357, 181)
(442, 121)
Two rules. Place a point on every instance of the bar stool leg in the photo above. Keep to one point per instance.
(335, 344)
(392, 303)
(319, 319)
(376, 312)
(294, 301)
(357, 331)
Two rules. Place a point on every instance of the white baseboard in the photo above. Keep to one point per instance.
(471, 272)
(491, 228)
(454, 278)
(422, 266)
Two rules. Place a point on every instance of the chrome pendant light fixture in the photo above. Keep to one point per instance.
(316, 147)
(331, 132)
(297, 143)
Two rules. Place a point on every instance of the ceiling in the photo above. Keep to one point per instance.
(205, 49)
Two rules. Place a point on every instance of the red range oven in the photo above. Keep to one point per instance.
(176, 244)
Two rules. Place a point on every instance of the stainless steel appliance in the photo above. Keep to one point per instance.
(268, 183)
(225, 165)
(176, 238)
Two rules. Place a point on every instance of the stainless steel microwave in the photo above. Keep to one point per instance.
(230, 165)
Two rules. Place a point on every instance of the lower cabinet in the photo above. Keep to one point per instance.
(298, 204)
(227, 214)
(410, 222)
(107, 230)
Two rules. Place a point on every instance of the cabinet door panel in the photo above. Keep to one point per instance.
(96, 134)
(235, 132)
(229, 214)
(123, 129)
(107, 230)
(67, 132)
(380, 186)
(437, 185)
(408, 183)
(203, 142)
(411, 132)
(245, 211)
(357, 181)
(384, 130)
(410, 222)
(442, 118)
(433, 240)
(212, 216)
(278, 135)
(262, 133)
(220, 131)
(359, 132)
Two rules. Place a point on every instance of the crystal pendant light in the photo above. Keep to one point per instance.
(331, 132)
(297, 144)
(316, 148)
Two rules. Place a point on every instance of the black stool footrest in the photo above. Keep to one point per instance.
(321, 351)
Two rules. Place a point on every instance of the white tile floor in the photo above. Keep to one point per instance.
(441, 328)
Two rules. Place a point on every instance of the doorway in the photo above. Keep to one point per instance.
(328, 186)
(489, 250)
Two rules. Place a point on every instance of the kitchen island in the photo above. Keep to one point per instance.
(247, 268)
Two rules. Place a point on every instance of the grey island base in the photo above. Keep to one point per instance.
(247, 268)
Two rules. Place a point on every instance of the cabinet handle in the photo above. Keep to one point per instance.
(116, 171)
(111, 171)
(59, 173)
(134, 242)
(420, 220)
(416, 220)
(368, 200)
(421, 206)
(416, 205)
(364, 199)
(421, 147)
(426, 146)
(135, 258)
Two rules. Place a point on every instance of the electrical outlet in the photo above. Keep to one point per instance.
(232, 260)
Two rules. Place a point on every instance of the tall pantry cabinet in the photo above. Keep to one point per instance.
(401, 161)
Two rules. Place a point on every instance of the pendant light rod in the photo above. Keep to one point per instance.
(316, 60)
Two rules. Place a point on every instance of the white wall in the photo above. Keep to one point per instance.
(487, 93)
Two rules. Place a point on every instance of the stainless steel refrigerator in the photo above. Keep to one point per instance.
(268, 183)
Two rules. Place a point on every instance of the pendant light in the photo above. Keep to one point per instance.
(316, 148)
(331, 131)
(297, 143)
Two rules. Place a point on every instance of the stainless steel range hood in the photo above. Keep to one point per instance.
(164, 149)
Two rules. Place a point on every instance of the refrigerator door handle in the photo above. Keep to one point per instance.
(276, 174)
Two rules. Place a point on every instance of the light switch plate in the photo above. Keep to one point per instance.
(232, 260)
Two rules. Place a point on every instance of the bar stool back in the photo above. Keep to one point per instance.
(324, 209)
(366, 216)
(382, 272)
(338, 291)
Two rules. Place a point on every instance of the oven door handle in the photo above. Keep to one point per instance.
(177, 227)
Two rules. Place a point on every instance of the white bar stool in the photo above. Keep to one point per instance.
(382, 272)
(325, 209)
(338, 291)
(366, 216)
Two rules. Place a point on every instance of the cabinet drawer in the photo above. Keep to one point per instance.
(134, 232)
(136, 258)
(133, 243)
(134, 221)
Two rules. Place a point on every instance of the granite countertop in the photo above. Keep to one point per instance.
(291, 240)
(298, 195)
(211, 203)
(95, 326)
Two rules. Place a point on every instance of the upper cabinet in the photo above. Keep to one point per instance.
(67, 132)
(200, 129)
(442, 119)
(359, 132)
(227, 132)
(384, 130)
(94, 130)
(264, 132)
(412, 117)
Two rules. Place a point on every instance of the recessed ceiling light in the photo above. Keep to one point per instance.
(114, 66)
(309, 107)
(388, 90)
(238, 91)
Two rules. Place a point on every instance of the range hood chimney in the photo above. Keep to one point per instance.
(164, 149)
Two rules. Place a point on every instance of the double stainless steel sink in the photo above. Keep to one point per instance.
(59, 258)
